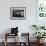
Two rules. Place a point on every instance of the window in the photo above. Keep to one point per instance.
(41, 8)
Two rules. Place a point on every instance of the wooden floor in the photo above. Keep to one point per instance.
(13, 44)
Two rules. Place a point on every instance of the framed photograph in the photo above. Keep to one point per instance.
(17, 13)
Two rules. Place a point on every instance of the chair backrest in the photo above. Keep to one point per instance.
(14, 30)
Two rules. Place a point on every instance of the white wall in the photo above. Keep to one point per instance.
(24, 25)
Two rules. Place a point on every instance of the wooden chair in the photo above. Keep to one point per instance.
(8, 34)
(25, 36)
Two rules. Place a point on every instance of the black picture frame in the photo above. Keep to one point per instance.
(17, 13)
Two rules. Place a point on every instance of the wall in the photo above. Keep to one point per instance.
(24, 25)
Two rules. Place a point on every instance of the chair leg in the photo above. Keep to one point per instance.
(5, 40)
(5, 43)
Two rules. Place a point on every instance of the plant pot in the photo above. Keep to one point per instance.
(40, 40)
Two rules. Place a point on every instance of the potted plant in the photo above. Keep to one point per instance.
(39, 35)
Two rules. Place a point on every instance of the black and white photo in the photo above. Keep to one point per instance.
(17, 13)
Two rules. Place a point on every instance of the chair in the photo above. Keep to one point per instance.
(26, 41)
(7, 35)
(14, 32)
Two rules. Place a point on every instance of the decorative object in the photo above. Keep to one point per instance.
(18, 13)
